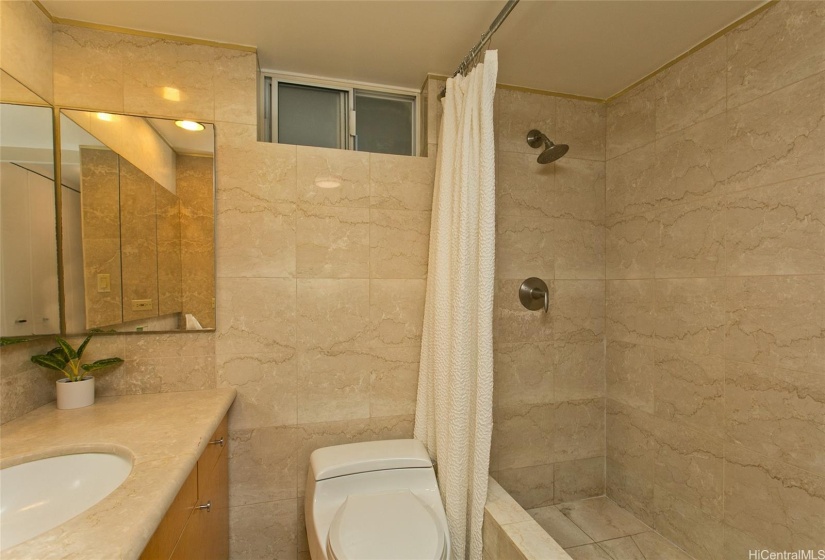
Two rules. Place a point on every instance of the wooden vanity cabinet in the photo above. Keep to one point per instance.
(196, 526)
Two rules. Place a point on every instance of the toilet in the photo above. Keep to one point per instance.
(376, 500)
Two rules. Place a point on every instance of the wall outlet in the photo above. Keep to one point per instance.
(141, 305)
(103, 283)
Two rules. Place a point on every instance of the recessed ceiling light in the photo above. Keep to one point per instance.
(190, 125)
(328, 181)
(105, 117)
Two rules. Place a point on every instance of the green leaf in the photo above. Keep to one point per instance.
(100, 364)
(50, 362)
(67, 348)
(83, 346)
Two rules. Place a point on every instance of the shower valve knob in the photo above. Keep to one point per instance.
(534, 294)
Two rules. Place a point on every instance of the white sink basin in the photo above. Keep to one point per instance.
(40, 495)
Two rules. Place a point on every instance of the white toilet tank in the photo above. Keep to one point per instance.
(374, 500)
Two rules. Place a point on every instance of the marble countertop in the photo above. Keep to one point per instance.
(164, 435)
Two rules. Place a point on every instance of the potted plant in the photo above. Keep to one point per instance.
(77, 389)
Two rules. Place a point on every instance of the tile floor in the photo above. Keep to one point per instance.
(599, 529)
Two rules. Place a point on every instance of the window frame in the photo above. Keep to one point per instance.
(268, 103)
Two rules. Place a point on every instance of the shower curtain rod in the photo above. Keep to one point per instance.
(485, 38)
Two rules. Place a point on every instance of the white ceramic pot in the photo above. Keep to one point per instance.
(75, 394)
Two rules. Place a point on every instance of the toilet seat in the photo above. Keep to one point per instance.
(389, 526)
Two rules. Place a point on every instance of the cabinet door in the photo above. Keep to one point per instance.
(169, 531)
(216, 522)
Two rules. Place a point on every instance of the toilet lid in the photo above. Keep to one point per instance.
(392, 526)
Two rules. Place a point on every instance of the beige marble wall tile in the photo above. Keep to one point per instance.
(690, 389)
(350, 169)
(522, 436)
(631, 242)
(399, 243)
(578, 479)
(524, 247)
(23, 385)
(629, 311)
(236, 86)
(783, 505)
(333, 315)
(138, 241)
(737, 544)
(134, 377)
(578, 329)
(777, 321)
(332, 242)
(262, 465)
(689, 466)
(393, 380)
(581, 124)
(692, 89)
(397, 312)
(531, 487)
(170, 274)
(695, 531)
(690, 315)
(779, 47)
(631, 120)
(264, 531)
(777, 137)
(579, 190)
(629, 373)
(691, 163)
(266, 386)
(401, 182)
(512, 323)
(333, 385)
(691, 240)
(256, 239)
(88, 68)
(256, 316)
(579, 429)
(187, 374)
(168, 79)
(158, 345)
(561, 529)
(26, 46)
(778, 229)
(516, 113)
(631, 455)
(254, 171)
(524, 187)
(579, 249)
(523, 373)
(778, 413)
(631, 182)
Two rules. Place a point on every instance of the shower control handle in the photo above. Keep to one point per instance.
(534, 294)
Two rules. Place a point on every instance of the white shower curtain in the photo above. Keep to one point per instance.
(454, 414)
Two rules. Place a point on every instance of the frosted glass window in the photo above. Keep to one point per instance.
(311, 116)
(384, 123)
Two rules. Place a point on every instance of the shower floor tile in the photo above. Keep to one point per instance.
(599, 529)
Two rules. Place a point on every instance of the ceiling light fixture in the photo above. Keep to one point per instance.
(190, 125)
(328, 181)
(105, 117)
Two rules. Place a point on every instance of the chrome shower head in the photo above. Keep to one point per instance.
(552, 152)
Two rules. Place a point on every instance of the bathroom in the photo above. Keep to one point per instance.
(679, 373)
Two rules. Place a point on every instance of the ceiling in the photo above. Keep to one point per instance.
(593, 48)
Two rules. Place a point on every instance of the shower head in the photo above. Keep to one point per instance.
(552, 152)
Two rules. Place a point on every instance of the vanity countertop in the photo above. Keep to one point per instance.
(164, 434)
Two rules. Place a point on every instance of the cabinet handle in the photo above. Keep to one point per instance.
(217, 442)
(207, 506)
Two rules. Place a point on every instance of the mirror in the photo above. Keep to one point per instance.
(29, 300)
(138, 226)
